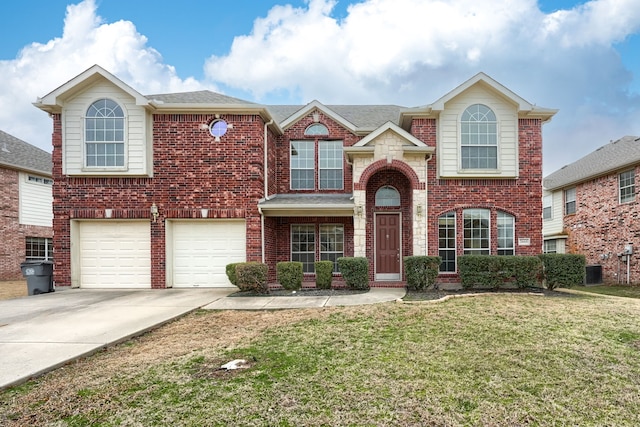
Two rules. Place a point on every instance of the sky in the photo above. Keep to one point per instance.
(580, 57)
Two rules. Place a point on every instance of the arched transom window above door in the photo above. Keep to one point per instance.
(387, 196)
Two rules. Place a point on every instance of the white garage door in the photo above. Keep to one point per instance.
(202, 249)
(115, 254)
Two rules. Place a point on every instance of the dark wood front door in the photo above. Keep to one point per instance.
(387, 247)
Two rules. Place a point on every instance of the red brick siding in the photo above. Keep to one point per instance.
(520, 197)
(191, 172)
(14, 234)
(296, 132)
(601, 227)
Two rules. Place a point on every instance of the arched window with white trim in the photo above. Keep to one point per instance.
(479, 138)
(104, 134)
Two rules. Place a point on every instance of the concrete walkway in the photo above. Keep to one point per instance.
(42, 332)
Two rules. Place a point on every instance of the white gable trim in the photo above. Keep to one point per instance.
(52, 102)
(393, 128)
(316, 105)
(497, 87)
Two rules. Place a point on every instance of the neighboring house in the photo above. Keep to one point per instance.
(25, 205)
(591, 208)
(165, 190)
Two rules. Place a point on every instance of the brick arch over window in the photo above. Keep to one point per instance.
(396, 165)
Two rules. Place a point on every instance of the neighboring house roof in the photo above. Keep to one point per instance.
(17, 154)
(612, 157)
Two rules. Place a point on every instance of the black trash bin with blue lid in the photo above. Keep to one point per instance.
(39, 275)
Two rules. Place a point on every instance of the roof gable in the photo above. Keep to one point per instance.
(316, 105)
(52, 102)
(393, 128)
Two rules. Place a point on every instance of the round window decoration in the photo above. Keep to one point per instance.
(218, 128)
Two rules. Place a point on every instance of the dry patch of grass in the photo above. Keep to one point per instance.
(13, 289)
(612, 290)
(500, 361)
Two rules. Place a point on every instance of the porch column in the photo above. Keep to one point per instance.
(419, 222)
(359, 224)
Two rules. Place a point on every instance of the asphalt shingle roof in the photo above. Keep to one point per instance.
(17, 154)
(362, 116)
(321, 200)
(611, 157)
(197, 97)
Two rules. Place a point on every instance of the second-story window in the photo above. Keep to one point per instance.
(479, 138)
(330, 174)
(302, 165)
(547, 207)
(627, 186)
(104, 134)
(570, 201)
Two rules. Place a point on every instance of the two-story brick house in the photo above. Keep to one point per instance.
(591, 208)
(165, 190)
(25, 205)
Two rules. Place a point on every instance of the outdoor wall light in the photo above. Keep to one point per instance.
(108, 213)
(154, 212)
(419, 211)
(204, 213)
(358, 210)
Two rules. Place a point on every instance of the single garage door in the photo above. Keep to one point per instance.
(115, 254)
(202, 249)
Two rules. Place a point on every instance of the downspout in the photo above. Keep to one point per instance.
(426, 204)
(266, 188)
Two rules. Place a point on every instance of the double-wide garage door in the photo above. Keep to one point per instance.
(117, 254)
(202, 249)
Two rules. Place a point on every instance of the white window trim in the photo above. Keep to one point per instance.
(633, 199)
(315, 243)
(83, 124)
(464, 249)
(307, 141)
(321, 168)
(498, 170)
(455, 243)
(513, 232)
(575, 204)
(548, 197)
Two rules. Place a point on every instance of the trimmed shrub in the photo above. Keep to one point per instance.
(290, 274)
(421, 271)
(230, 269)
(252, 276)
(355, 271)
(324, 274)
(563, 270)
(495, 271)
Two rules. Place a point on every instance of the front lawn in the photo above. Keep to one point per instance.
(494, 360)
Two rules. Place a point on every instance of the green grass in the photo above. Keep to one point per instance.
(618, 291)
(497, 360)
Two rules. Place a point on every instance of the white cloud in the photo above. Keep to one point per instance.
(411, 52)
(86, 40)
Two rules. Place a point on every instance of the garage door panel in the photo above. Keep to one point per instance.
(115, 254)
(202, 249)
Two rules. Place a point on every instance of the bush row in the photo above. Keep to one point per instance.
(476, 271)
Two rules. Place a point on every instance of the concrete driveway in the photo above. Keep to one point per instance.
(41, 332)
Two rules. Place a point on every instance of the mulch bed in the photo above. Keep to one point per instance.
(436, 294)
(304, 292)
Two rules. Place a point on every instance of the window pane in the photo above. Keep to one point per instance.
(332, 243)
(330, 159)
(38, 249)
(447, 242)
(104, 134)
(479, 138)
(387, 196)
(476, 232)
(303, 247)
(302, 165)
(506, 223)
(627, 186)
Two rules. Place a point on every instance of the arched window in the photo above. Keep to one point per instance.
(479, 138)
(387, 196)
(316, 129)
(104, 134)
